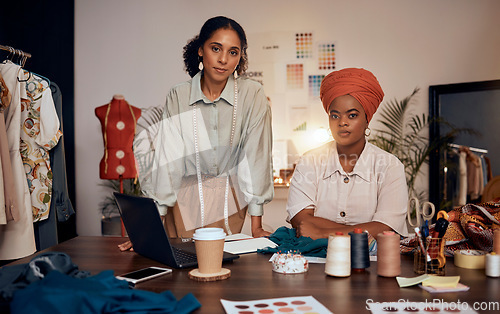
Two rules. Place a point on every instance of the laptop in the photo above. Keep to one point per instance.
(145, 229)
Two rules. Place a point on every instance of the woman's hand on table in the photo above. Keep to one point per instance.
(260, 232)
(125, 246)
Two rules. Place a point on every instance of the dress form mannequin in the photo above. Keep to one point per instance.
(118, 121)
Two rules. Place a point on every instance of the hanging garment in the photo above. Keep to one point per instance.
(473, 175)
(7, 191)
(480, 182)
(3, 216)
(4, 98)
(462, 171)
(39, 134)
(60, 205)
(17, 237)
(489, 173)
(60, 195)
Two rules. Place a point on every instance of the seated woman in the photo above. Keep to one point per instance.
(348, 183)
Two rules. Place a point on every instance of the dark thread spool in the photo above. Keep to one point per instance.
(360, 258)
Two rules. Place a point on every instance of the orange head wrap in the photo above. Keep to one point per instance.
(359, 83)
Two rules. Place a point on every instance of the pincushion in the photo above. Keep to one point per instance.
(289, 263)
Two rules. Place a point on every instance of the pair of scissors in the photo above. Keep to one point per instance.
(423, 214)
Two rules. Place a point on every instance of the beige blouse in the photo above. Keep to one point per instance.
(164, 161)
(375, 190)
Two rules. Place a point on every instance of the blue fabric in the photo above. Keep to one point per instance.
(286, 239)
(16, 277)
(102, 293)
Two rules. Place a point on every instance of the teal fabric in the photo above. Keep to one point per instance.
(287, 240)
(17, 277)
(102, 293)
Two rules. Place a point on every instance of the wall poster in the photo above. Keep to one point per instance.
(291, 65)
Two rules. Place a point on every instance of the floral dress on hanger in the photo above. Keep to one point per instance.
(39, 134)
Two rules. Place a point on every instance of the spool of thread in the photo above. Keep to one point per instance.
(338, 255)
(492, 265)
(388, 257)
(496, 241)
(360, 257)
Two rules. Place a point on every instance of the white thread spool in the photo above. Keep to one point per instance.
(338, 255)
(492, 265)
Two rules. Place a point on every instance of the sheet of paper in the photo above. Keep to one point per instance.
(247, 245)
(459, 287)
(406, 282)
(441, 281)
(237, 236)
(306, 304)
(314, 259)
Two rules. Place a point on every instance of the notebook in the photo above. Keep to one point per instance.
(145, 229)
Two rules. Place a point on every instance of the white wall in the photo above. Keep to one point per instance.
(134, 48)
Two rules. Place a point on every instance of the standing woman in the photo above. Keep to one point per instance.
(348, 183)
(212, 157)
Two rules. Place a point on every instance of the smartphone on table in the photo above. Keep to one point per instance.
(144, 274)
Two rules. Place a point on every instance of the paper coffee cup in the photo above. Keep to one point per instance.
(209, 243)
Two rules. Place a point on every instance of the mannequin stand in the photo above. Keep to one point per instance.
(121, 191)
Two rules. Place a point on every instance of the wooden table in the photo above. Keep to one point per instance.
(252, 278)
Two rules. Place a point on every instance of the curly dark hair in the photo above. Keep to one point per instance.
(191, 58)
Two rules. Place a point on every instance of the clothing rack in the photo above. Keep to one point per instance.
(473, 149)
(16, 52)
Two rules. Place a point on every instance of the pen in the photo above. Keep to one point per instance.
(425, 229)
(421, 243)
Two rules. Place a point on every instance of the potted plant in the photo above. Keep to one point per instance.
(404, 134)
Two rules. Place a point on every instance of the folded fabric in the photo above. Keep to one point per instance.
(16, 277)
(287, 240)
(102, 293)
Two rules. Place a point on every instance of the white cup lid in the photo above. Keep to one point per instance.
(209, 234)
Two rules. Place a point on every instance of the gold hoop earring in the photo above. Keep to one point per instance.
(368, 132)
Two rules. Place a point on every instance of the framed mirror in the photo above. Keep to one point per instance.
(474, 105)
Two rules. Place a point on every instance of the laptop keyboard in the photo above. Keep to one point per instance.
(183, 257)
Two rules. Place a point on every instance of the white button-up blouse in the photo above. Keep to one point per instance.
(375, 190)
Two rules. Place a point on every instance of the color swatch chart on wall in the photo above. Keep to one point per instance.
(295, 76)
(304, 45)
(315, 84)
(298, 305)
(326, 56)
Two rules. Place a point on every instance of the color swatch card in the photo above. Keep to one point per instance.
(304, 45)
(315, 84)
(295, 76)
(326, 56)
(298, 305)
